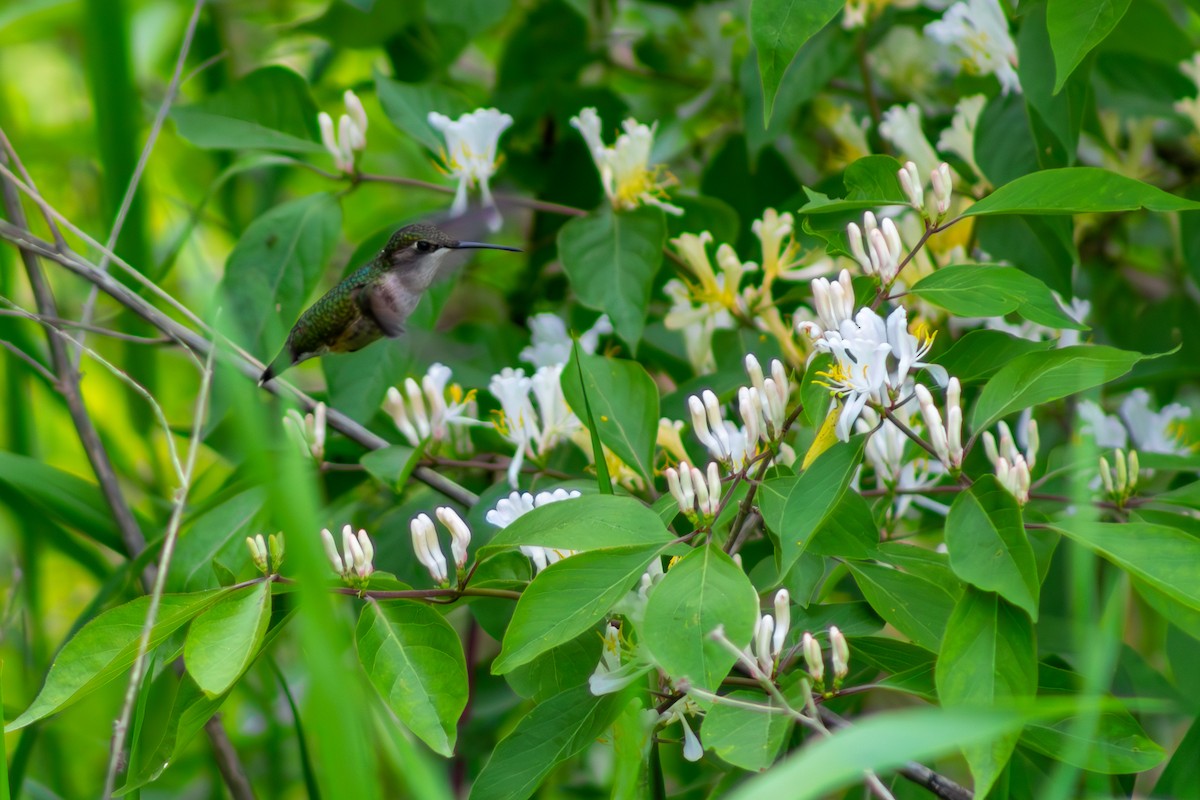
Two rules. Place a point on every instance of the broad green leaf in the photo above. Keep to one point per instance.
(870, 181)
(567, 598)
(586, 523)
(988, 546)
(408, 106)
(703, 591)
(816, 397)
(392, 465)
(565, 667)
(702, 213)
(986, 290)
(225, 639)
(275, 266)
(1042, 246)
(1187, 496)
(268, 109)
(346, 26)
(106, 647)
(881, 743)
(794, 507)
(623, 401)
(1181, 776)
(1116, 745)
(743, 737)
(1165, 558)
(70, 499)
(988, 658)
(1077, 26)
(583, 408)
(217, 530)
(611, 259)
(551, 733)
(1077, 190)
(848, 531)
(980, 354)
(1037, 378)
(415, 660)
(916, 607)
(1056, 116)
(778, 29)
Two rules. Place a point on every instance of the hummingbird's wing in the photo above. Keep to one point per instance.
(388, 302)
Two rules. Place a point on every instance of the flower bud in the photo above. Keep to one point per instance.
(910, 182)
(814, 661)
(331, 552)
(714, 486)
(460, 534)
(763, 633)
(1122, 472)
(1106, 475)
(783, 621)
(275, 549)
(841, 654)
(258, 552)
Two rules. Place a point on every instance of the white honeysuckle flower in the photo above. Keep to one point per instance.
(460, 534)
(775, 232)
(901, 125)
(908, 349)
(433, 409)
(1155, 431)
(885, 453)
(698, 322)
(550, 343)
(942, 183)
(625, 170)
(517, 504)
(670, 438)
(1106, 429)
(859, 372)
(427, 548)
(556, 418)
(978, 31)
(692, 749)
(309, 429)
(516, 420)
(472, 142)
(611, 675)
(959, 138)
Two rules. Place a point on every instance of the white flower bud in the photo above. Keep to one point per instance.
(1134, 469)
(331, 552)
(954, 435)
(1106, 475)
(750, 414)
(1032, 440)
(762, 643)
(943, 189)
(814, 661)
(416, 402)
(460, 534)
(754, 370)
(675, 489)
(689, 491)
(714, 486)
(1122, 472)
(701, 488)
(913, 186)
(700, 422)
(275, 548)
(855, 236)
(841, 654)
(692, 749)
(329, 138)
(989, 447)
(258, 552)
(357, 113)
(783, 621)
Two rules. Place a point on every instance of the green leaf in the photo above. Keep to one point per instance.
(71, 500)
(225, 639)
(778, 29)
(611, 259)
(623, 402)
(794, 507)
(980, 354)
(392, 465)
(988, 546)
(703, 591)
(880, 743)
(1076, 27)
(589, 522)
(346, 26)
(567, 598)
(1181, 776)
(275, 266)
(575, 367)
(1056, 116)
(1037, 378)
(986, 290)
(916, 607)
(565, 667)
(415, 660)
(816, 397)
(269, 109)
(219, 529)
(106, 647)
(1165, 558)
(870, 181)
(552, 732)
(1077, 190)
(743, 737)
(988, 658)
(408, 105)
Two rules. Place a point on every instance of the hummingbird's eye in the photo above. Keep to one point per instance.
(424, 246)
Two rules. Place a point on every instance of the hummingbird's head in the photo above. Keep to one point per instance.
(418, 243)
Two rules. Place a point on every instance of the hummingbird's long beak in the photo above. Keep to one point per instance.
(483, 246)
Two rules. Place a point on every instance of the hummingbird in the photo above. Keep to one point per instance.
(373, 301)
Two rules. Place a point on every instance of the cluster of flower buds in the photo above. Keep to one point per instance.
(814, 660)
(770, 634)
(310, 429)
(1121, 486)
(727, 443)
(946, 438)
(433, 409)
(697, 493)
(429, 551)
(941, 182)
(356, 562)
(763, 404)
(351, 134)
(267, 554)
(834, 302)
(877, 247)
(1012, 466)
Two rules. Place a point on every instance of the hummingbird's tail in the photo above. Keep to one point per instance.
(278, 365)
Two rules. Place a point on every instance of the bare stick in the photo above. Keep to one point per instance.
(89, 305)
(34, 364)
(160, 582)
(59, 322)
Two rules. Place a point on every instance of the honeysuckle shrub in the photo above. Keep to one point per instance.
(833, 433)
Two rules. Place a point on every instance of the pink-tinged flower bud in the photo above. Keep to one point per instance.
(331, 552)
(911, 183)
(814, 661)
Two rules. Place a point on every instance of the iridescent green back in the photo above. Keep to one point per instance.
(319, 326)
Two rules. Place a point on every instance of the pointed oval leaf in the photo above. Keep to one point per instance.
(586, 523)
(1076, 27)
(270, 109)
(1077, 190)
(415, 660)
(703, 591)
(989, 290)
(611, 259)
(778, 29)
(988, 546)
(623, 401)
(225, 639)
(916, 607)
